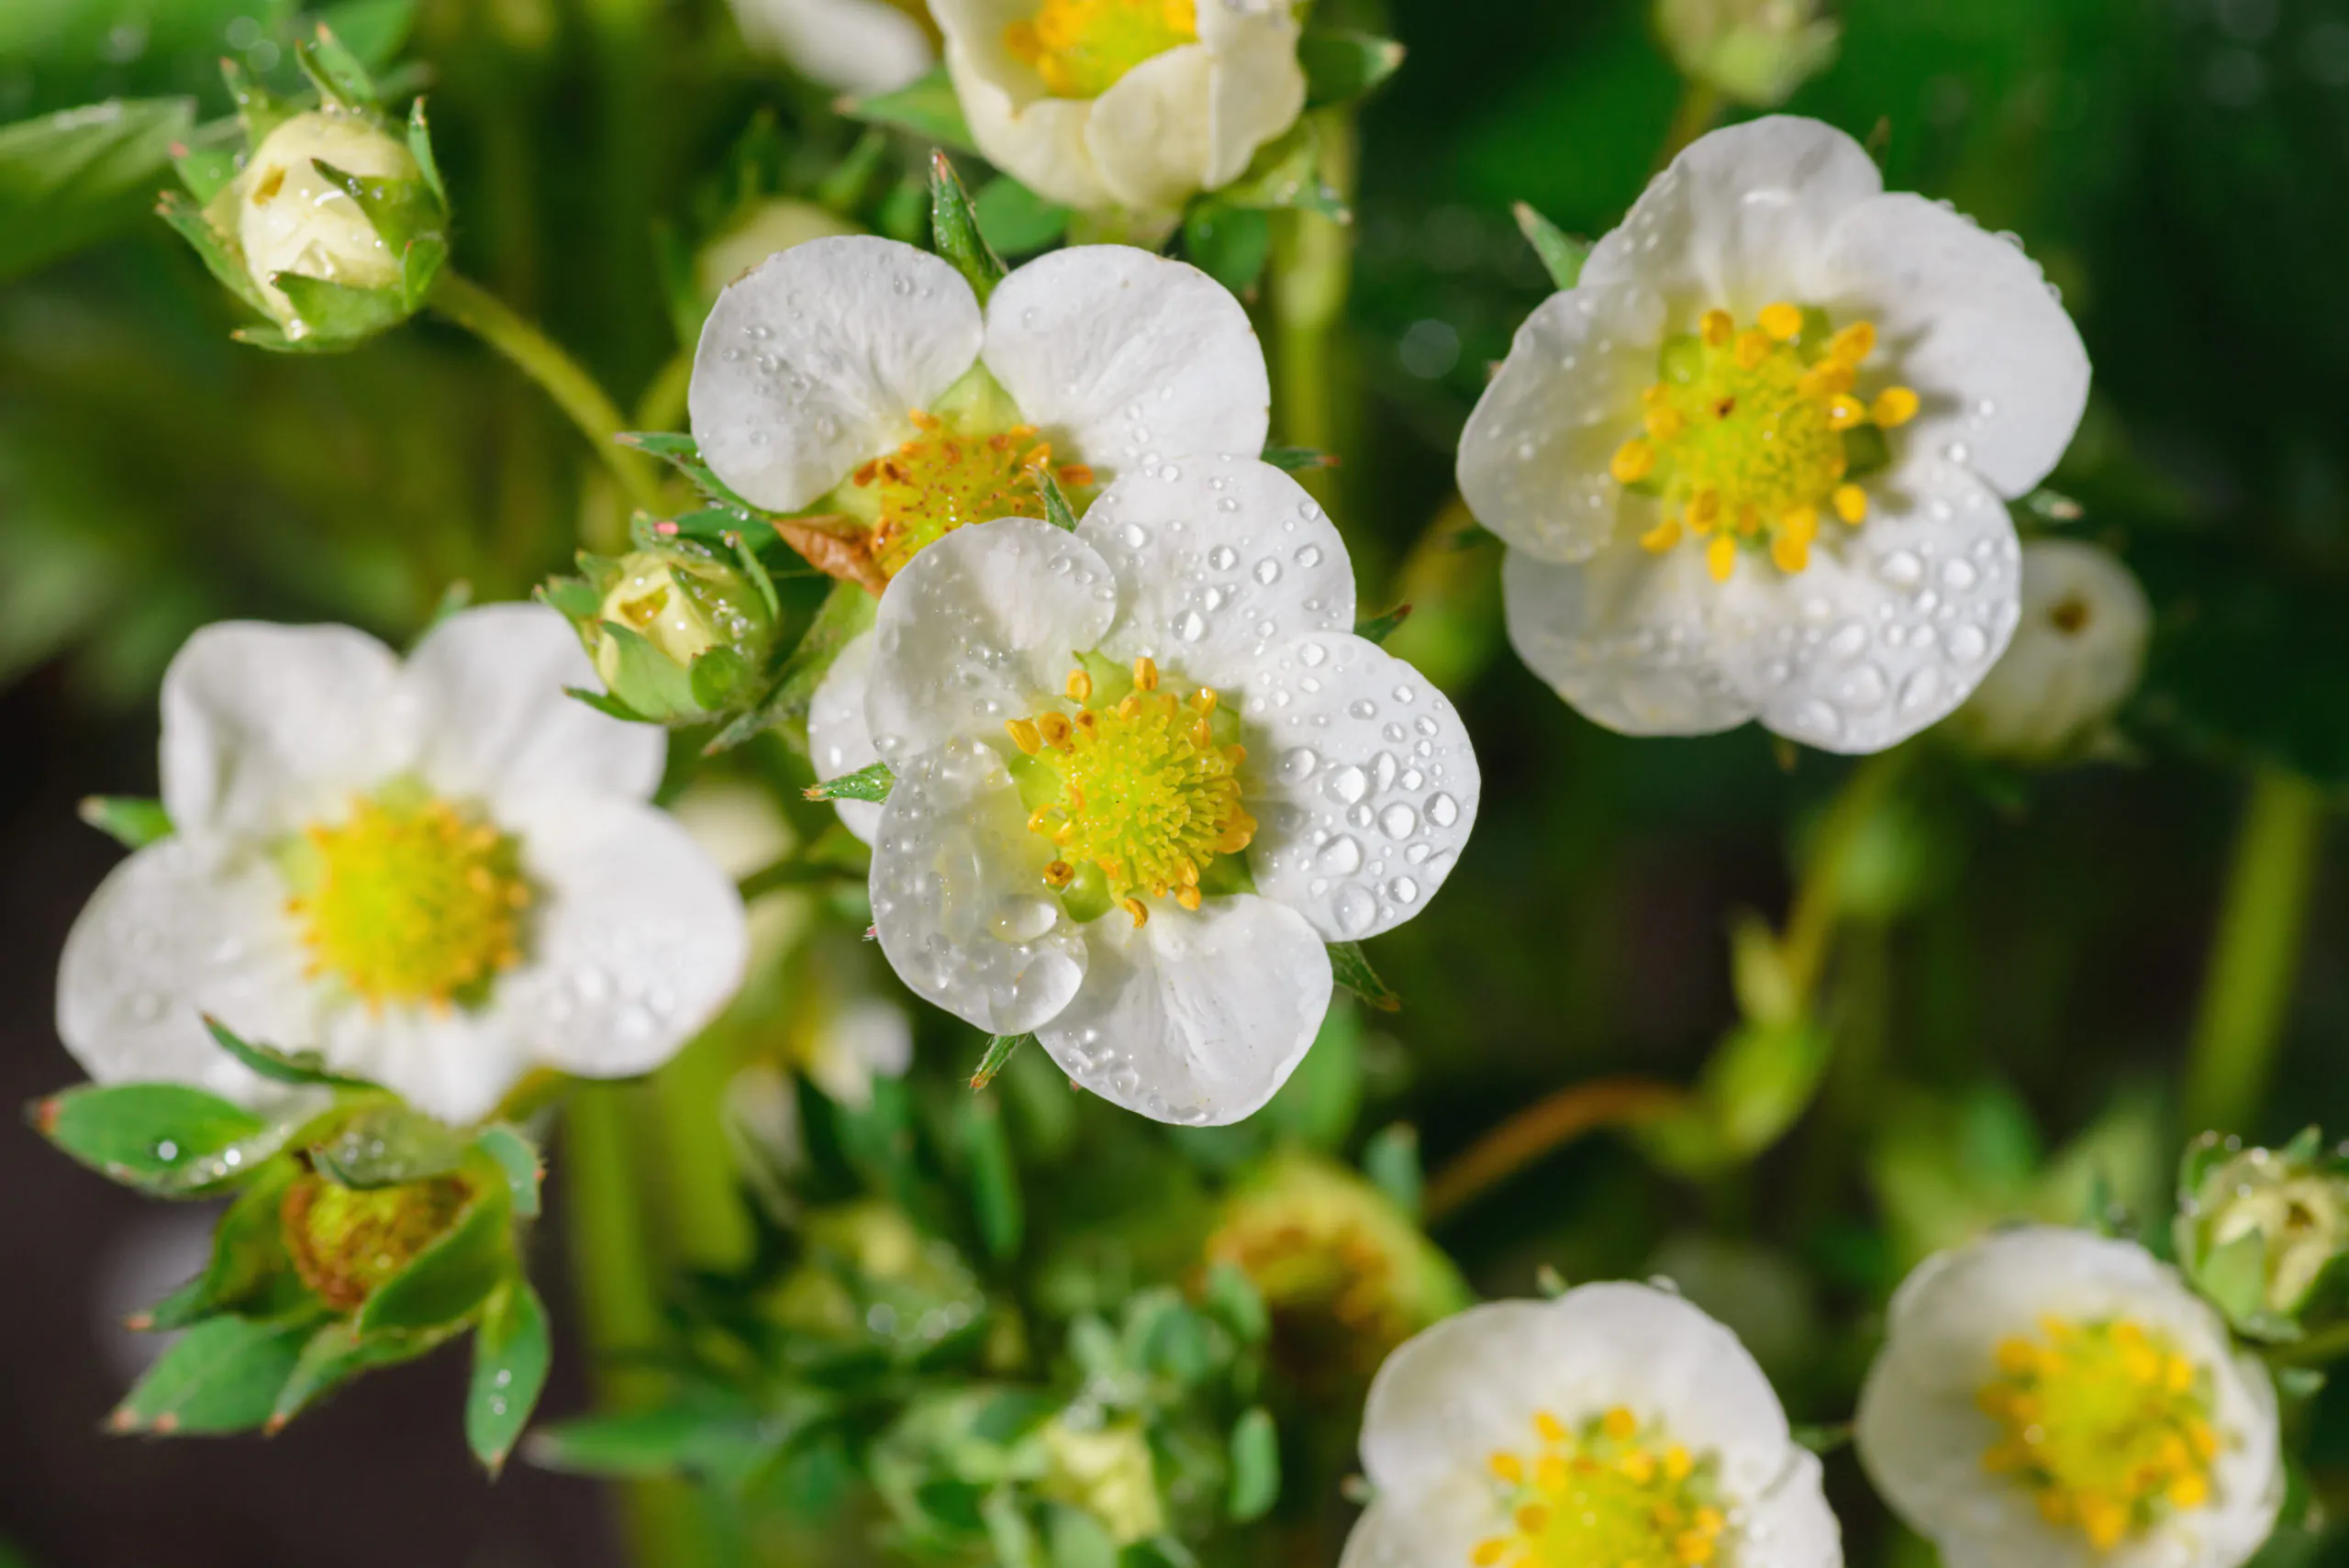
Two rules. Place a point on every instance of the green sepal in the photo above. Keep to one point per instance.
(608, 705)
(1865, 452)
(1057, 509)
(299, 1067)
(1015, 220)
(1341, 64)
(335, 72)
(207, 161)
(869, 783)
(259, 110)
(512, 1349)
(717, 677)
(222, 1375)
(929, 108)
(447, 1281)
(169, 1139)
(375, 30)
(520, 1158)
(573, 598)
(1379, 627)
(1287, 173)
(1352, 969)
(227, 268)
(646, 682)
(997, 1053)
(845, 614)
(681, 453)
(955, 229)
(1255, 1467)
(1297, 459)
(129, 822)
(398, 210)
(387, 1144)
(335, 316)
(419, 147)
(2234, 1278)
(1229, 243)
(1562, 255)
(335, 1354)
(248, 1271)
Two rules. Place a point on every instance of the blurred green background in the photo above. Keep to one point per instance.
(2019, 982)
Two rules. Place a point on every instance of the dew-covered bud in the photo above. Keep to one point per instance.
(2259, 1230)
(345, 1242)
(2076, 658)
(292, 217)
(679, 634)
(1754, 51)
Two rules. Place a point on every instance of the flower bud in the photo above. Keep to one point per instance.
(767, 229)
(346, 1241)
(678, 633)
(292, 217)
(2260, 1230)
(1754, 51)
(1105, 1470)
(2076, 658)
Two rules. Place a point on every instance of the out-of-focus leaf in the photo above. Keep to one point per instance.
(132, 823)
(223, 1375)
(1015, 220)
(1229, 243)
(928, 108)
(167, 1139)
(1255, 1467)
(1341, 64)
(73, 178)
(512, 1349)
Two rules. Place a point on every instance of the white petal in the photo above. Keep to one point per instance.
(2077, 654)
(1437, 1527)
(1218, 560)
(1534, 457)
(453, 1065)
(1967, 320)
(1148, 135)
(1194, 1017)
(182, 929)
(839, 741)
(1793, 1519)
(1740, 219)
(266, 728)
(1627, 638)
(1363, 781)
(958, 890)
(857, 45)
(639, 943)
(487, 688)
(979, 629)
(810, 364)
(1472, 1384)
(1890, 626)
(1125, 358)
(1256, 89)
(1036, 138)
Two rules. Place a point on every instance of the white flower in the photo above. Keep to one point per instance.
(768, 229)
(1088, 730)
(2075, 659)
(856, 45)
(1753, 465)
(1615, 1424)
(289, 218)
(438, 873)
(862, 374)
(2049, 1399)
(1123, 104)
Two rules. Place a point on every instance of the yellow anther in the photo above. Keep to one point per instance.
(1634, 459)
(1639, 1464)
(1827, 378)
(1052, 729)
(1752, 348)
(1508, 1466)
(1060, 873)
(1138, 909)
(1619, 1424)
(1145, 673)
(1129, 705)
(1720, 557)
(1189, 897)
(1079, 687)
(1851, 504)
(1704, 509)
(1799, 524)
(1083, 47)
(1894, 408)
(1488, 1552)
(1532, 1518)
(1718, 328)
(1662, 537)
(1845, 412)
(1551, 1429)
(1025, 735)
(1666, 423)
(1854, 343)
(1676, 1463)
(1204, 699)
(1782, 321)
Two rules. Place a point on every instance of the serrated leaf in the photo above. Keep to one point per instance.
(1255, 1467)
(248, 1271)
(1230, 244)
(70, 179)
(446, 1282)
(1352, 969)
(512, 1349)
(167, 1139)
(871, 783)
(279, 1067)
(520, 1158)
(1340, 64)
(1562, 255)
(955, 229)
(222, 1375)
(929, 108)
(129, 821)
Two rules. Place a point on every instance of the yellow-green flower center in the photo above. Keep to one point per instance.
(1081, 48)
(346, 1241)
(409, 899)
(967, 471)
(1613, 1495)
(1138, 789)
(1750, 434)
(2107, 1424)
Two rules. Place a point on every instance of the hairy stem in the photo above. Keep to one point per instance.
(1541, 1127)
(1818, 893)
(1312, 267)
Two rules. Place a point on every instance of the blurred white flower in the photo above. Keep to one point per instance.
(289, 218)
(862, 374)
(1137, 105)
(2050, 1398)
(438, 873)
(742, 828)
(1616, 1424)
(2076, 657)
(767, 229)
(1754, 51)
(857, 45)
(1753, 465)
(1144, 772)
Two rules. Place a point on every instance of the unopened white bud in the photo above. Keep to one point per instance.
(1756, 51)
(292, 218)
(2076, 657)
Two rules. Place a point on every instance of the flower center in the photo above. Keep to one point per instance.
(1752, 435)
(346, 1241)
(1610, 1495)
(946, 477)
(1081, 47)
(2106, 1423)
(1138, 789)
(407, 899)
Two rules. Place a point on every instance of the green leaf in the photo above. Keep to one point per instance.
(1379, 627)
(1230, 244)
(1293, 459)
(388, 1145)
(998, 1051)
(1255, 1467)
(419, 147)
(166, 1139)
(207, 161)
(70, 179)
(647, 680)
(669, 1439)
(869, 783)
(1341, 64)
(335, 72)
(512, 1349)
(129, 821)
(1353, 971)
(248, 1271)
(1561, 256)
(681, 453)
(520, 1158)
(373, 30)
(1287, 173)
(1391, 1161)
(449, 1279)
(955, 229)
(929, 108)
(1078, 1540)
(279, 1067)
(994, 1179)
(223, 1375)
(260, 110)
(334, 1355)
(846, 612)
(1015, 220)
(1232, 1297)
(398, 210)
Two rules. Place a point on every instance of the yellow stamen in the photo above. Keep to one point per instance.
(1782, 321)
(1633, 461)
(1720, 557)
(1851, 504)
(1894, 408)
(1662, 537)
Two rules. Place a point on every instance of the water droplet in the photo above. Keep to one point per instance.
(166, 1150)
(1223, 558)
(1902, 569)
(1354, 909)
(1268, 571)
(1969, 643)
(1398, 821)
(1300, 764)
(1311, 654)
(1443, 810)
(1192, 626)
(1023, 917)
(1851, 640)
(1362, 708)
(1959, 575)
(1348, 785)
(1309, 555)
(1341, 856)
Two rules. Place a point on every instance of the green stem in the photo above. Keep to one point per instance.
(1819, 895)
(1700, 105)
(2314, 1351)
(2255, 956)
(486, 317)
(1312, 267)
